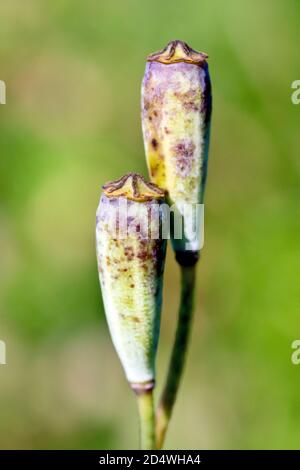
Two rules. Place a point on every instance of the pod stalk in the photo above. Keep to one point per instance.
(147, 420)
(179, 353)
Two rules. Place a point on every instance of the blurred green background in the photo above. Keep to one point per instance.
(73, 71)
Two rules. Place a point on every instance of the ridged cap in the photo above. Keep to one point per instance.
(133, 186)
(178, 51)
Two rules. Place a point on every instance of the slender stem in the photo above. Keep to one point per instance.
(178, 356)
(147, 420)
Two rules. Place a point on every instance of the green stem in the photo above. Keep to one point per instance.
(178, 356)
(147, 420)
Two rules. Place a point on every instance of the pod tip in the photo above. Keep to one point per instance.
(133, 186)
(178, 51)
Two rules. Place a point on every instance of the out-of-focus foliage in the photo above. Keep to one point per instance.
(73, 71)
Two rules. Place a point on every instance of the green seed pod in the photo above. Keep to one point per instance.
(131, 255)
(176, 111)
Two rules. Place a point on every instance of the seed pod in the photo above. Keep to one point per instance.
(176, 110)
(131, 255)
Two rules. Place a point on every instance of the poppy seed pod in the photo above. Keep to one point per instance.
(131, 255)
(176, 111)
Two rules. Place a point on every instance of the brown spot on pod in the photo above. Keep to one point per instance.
(190, 100)
(191, 106)
(183, 153)
(129, 253)
(154, 143)
(153, 170)
(143, 255)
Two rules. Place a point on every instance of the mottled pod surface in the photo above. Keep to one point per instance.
(176, 110)
(131, 255)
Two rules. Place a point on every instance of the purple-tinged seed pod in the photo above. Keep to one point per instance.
(176, 112)
(131, 256)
